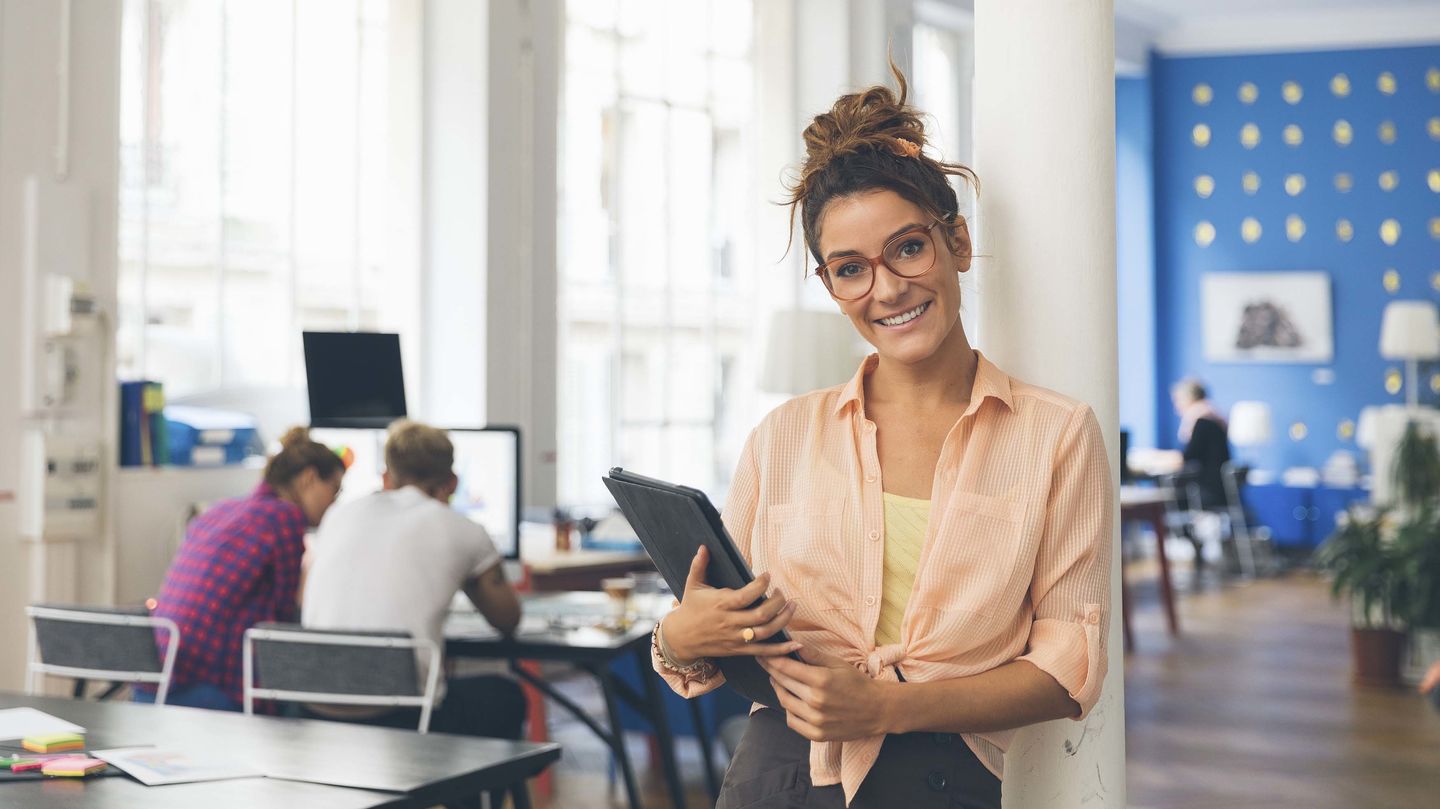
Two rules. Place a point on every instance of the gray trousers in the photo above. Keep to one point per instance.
(771, 770)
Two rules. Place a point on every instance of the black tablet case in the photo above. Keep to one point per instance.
(672, 523)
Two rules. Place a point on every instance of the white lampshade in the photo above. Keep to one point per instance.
(1410, 331)
(1249, 424)
(1366, 426)
(808, 350)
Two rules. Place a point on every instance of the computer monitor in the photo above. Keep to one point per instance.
(487, 463)
(354, 379)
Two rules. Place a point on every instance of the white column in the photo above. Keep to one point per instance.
(1045, 153)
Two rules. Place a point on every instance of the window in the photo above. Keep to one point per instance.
(657, 308)
(254, 176)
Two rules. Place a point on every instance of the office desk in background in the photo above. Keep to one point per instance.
(312, 763)
(560, 628)
(1147, 504)
(565, 571)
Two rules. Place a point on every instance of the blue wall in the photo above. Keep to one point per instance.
(1135, 259)
(1356, 267)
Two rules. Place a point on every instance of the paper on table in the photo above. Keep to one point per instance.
(154, 766)
(17, 723)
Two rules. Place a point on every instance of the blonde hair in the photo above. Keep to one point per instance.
(298, 453)
(418, 455)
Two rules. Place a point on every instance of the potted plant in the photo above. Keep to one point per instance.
(1370, 570)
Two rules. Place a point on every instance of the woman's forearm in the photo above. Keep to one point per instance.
(1011, 696)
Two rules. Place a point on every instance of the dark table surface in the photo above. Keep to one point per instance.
(417, 770)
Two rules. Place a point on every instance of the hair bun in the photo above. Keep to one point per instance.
(295, 437)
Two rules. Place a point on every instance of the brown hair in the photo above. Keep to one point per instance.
(418, 455)
(871, 140)
(298, 453)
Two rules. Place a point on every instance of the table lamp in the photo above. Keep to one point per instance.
(1409, 331)
(1249, 424)
(809, 349)
(1366, 426)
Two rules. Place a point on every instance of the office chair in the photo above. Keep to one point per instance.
(116, 644)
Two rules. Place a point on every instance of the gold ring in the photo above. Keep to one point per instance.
(747, 634)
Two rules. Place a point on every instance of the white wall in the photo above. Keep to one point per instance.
(29, 130)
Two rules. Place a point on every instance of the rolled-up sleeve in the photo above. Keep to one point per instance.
(1071, 585)
(741, 506)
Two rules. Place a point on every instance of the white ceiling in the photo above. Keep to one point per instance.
(1194, 27)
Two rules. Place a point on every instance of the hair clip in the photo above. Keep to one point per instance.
(905, 148)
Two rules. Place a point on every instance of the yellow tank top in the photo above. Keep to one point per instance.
(906, 520)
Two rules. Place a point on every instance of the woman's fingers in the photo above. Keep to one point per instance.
(749, 594)
(764, 650)
(696, 578)
(764, 613)
(777, 622)
(793, 704)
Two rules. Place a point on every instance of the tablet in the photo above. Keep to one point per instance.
(672, 523)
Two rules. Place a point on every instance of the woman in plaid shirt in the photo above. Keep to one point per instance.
(240, 566)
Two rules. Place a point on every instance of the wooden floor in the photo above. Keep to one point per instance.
(1251, 707)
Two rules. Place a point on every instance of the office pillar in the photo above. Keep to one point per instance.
(1044, 129)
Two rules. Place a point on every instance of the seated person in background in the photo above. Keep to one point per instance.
(238, 566)
(393, 560)
(1203, 434)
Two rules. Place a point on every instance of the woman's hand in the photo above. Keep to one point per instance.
(712, 621)
(829, 703)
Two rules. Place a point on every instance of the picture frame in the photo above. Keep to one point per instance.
(1267, 317)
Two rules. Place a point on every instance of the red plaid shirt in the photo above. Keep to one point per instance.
(238, 566)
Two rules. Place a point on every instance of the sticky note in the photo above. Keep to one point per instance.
(73, 766)
(26, 765)
(53, 742)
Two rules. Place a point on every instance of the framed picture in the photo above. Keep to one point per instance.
(1267, 317)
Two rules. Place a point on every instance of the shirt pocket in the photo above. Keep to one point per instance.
(971, 566)
(805, 543)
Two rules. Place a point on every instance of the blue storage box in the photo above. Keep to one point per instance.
(199, 436)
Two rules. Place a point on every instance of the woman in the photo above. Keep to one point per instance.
(240, 566)
(984, 608)
(1206, 439)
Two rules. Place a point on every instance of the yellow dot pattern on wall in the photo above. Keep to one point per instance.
(1249, 136)
(1344, 182)
(1435, 227)
(1433, 178)
(1345, 430)
(1386, 132)
(1298, 431)
(1435, 383)
(1248, 93)
(1393, 381)
(1294, 184)
(1291, 92)
(1343, 132)
(1204, 234)
(1391, 280)
(1389, 180)
(1200, 135)
(1390, 232)
(1432, 128)
(1250, 182)
(1202, 94)
(1340, 85)
(1344, 231)
(1204, 186)
(1435, 280)
(1294, 227)
(1386, 83)
(1250, 230)
(1293, 135)
(1432, 79)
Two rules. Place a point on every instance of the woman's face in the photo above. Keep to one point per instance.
(315, 494)
(861, 225)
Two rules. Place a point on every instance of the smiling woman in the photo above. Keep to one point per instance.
(937, 534)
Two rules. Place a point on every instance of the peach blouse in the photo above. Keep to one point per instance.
(1015, 564)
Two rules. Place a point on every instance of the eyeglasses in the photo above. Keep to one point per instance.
(909, 255)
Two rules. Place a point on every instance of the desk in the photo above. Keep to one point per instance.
(1147, 504)
(328, 765)
(582, 569)
(551, 632)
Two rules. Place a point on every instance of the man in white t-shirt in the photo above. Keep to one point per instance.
(393, 560)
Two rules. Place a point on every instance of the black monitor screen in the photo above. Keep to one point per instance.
(354, 379)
